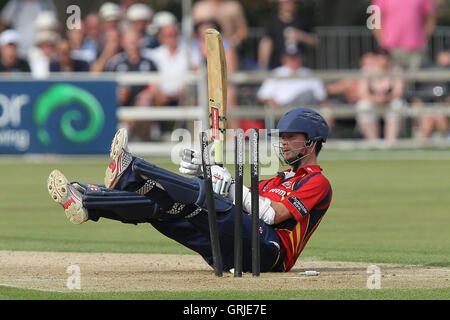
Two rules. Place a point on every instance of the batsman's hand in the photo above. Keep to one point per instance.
(223, 182)
(191, 162)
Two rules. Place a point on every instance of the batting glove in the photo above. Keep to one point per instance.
(191, 163)
(222, 181)
(223, 184)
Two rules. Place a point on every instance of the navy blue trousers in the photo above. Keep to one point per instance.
(193, 232)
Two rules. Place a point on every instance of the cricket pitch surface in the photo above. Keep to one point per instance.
(104, 272)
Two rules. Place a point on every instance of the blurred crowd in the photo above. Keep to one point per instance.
(130, 36)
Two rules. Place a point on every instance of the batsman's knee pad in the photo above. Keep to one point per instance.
(124, 206)
(130, 207)
(184, 190)
(115, 199)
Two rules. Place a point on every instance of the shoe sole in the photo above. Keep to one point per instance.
(115, 154)
(62, 193)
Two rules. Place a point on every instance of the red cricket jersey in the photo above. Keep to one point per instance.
(307, 194)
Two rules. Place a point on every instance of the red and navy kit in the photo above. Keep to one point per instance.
(307, 194)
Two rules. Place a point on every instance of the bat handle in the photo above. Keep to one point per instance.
(218, 153)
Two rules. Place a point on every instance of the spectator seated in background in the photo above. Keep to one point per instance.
(64, 62)
(42, 53)
(379, 92)
(43, 49)
(171, 58)
(132, 60)
(286, 27)
(228, 13)
(433, 92)
(278, 93)
(345, 91)
(9, 59)
(76, 38)
(139, 16)
(109, 38)
(110, 49)
(22, 15)
(91, 40)
(281, 93)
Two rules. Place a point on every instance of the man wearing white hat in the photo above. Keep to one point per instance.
(109, 38)
(282, 93)
(109, 13)
(42, 53)
(172, 58)
(10, 61)
(46, 21)
(160, 19)
(139, 16)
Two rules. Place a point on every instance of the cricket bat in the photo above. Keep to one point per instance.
(217, 91)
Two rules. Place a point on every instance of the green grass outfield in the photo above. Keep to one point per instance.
(388, 206)
(7, 293)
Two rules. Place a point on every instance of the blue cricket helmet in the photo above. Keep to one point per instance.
(306, 121)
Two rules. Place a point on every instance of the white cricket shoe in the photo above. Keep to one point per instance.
(66, 195)
(120, 158)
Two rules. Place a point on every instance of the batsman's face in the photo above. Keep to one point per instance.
(292, 144)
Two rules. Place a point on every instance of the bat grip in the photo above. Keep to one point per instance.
(218, 153)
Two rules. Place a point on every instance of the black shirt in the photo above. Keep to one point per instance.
(275, 31)
(120, 63)
(20, 66)
(77, 66)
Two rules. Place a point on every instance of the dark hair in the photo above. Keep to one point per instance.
(318, 144)
(213, 22)
(382, 52)
(318, 147)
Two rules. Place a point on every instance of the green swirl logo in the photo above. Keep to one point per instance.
(59, 96)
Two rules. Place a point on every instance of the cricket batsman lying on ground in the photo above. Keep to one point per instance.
(291, 204)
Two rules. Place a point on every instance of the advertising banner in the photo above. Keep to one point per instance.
(57, 117)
